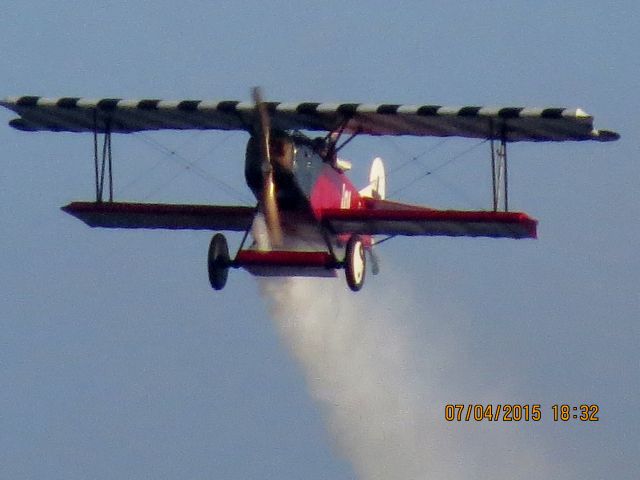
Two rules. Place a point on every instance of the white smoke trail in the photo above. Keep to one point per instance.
(383, 399)
(383, 390)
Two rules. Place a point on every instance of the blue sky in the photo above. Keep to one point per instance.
(116, 358)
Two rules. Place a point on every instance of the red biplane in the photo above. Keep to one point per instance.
(309, 220)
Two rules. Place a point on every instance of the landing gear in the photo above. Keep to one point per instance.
(218, 261)
(355, 263)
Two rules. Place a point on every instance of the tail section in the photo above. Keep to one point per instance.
(377, 181)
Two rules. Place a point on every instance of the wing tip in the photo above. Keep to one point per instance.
(22, 125)
(605, 135)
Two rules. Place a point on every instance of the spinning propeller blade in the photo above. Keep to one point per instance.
(269, 203)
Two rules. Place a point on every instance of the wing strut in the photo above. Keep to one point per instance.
(499, 174)
(104, 161)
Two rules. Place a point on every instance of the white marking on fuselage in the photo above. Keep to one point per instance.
(345, 200)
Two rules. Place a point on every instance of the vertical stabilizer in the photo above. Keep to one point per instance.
(377, 181)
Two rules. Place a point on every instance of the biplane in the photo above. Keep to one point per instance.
(309, 219)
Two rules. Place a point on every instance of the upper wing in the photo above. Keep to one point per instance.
(391, 218)
(173, 217)
(125, 116)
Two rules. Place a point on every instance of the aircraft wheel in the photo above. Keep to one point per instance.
(218, 261)
(355, 263)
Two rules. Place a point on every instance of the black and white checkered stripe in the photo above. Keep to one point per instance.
(75, 114)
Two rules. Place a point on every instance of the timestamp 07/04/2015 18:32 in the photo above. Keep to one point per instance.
(512, 412)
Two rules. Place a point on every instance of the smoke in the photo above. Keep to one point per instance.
(382, 386)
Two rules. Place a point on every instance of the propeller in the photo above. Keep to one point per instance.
(269, 203)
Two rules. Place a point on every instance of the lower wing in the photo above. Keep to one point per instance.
(379, 217)
(166, 216)
(391, 218)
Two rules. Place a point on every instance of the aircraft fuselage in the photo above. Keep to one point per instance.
(306, 176)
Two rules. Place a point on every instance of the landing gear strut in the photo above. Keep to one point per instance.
(355, 263)
(218, 261)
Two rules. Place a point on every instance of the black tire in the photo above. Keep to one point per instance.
(218, 261)
(355, 263)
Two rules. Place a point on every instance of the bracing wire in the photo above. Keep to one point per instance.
(439, 167)
(189, 165)
(415, 157)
